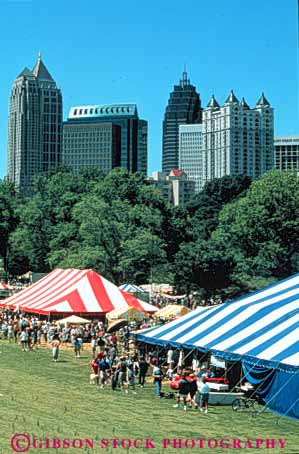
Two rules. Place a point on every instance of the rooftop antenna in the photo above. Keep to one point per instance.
(185, 81)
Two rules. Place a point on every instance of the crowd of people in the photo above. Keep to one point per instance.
(125, 372)
(112, 364)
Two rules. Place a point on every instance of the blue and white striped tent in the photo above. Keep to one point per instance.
(261, 330)
(131, 288)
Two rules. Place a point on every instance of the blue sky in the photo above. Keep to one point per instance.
(134, 51)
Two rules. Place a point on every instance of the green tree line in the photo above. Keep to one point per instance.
(235, 236)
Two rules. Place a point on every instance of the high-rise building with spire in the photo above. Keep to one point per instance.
(184, 107)
(237, 140)
(34, 126)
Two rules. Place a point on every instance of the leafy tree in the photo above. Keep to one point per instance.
(119, 225)
(260, 232)
(206, 205)
(197, 262)
(8, 218)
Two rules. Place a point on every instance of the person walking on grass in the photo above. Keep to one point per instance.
(10, 333)
(143, 367)
(204, 391)
(158, 377)
(103, 369)
(183, 392)
(122, 375)
(93, 345)
(77, 347)
(130, 379)
(55, 344)
(24, 340)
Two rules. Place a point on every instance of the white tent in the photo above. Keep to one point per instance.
(73, 320)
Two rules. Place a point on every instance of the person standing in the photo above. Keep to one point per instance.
(180, 361)
(143, 368)
(130, 378)
(77, 347)
(55, 349)
(10, 332)
(183, 392)
(122, 372)
(204, 391)
(24, 340)
(103, 368)
(169, 356)
(192, 389)
(158, 377)
(93, 345)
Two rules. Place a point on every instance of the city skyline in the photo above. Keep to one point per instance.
(97, 56)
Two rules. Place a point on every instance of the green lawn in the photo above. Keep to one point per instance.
(46, 399)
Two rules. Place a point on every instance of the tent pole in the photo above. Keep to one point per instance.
(185, 357)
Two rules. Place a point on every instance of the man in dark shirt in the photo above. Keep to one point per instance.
(103, 369)
(183, 392)
(143, 368)
(122, 374)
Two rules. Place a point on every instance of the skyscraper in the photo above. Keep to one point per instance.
(34, 126)
(237, 140)
(184, 107)
(133, 130)
(190, 153)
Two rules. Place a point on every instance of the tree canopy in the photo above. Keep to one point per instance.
(233, 237)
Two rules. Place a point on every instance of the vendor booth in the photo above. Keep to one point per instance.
(260, 332)
(127, 313)
(171, 311)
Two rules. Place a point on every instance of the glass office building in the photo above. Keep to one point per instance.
(91, 145)
(287, 153)
(133, 131)
(190, 153)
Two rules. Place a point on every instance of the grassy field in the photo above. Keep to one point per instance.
(46, 400)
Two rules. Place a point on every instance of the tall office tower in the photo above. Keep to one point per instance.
(190, 153)
(184, 107)
(34, 126)
(287, 153)
(133, 131)
(237, 140)
(91, 145)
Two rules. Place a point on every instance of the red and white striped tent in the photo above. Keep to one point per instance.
(73, 291)
(3, 286)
